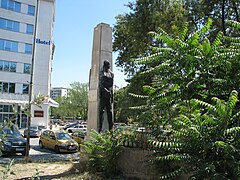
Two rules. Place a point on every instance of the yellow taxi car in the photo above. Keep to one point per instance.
(58, 141)
(78, 136)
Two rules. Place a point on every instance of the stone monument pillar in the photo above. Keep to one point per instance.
(101, 51)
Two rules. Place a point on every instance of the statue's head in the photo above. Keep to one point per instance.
(106, 64)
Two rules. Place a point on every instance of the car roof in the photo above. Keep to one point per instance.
(55, 131)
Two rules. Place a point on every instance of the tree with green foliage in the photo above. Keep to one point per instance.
(78, 96)
(130, 33)
(122, 103)
(194, 98)
(188, 67)
(63, 110)
(131, 29)
(75, 104)
(202, 142)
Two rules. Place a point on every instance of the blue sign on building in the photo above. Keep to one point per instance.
(39, 41)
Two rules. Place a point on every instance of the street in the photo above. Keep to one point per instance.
(41, 155)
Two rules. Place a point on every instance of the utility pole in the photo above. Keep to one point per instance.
(27, 158)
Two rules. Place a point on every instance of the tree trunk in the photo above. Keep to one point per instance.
(223, 17)
(236, 11)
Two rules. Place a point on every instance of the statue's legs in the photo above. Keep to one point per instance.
(109, 115)
(105, 104)
(101, 112)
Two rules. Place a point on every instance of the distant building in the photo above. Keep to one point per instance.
(58, 92)
(26, 43)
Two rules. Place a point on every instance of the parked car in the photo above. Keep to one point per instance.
(57, 140)
(69, 125)
(78, 136)
(35, 131)
(78, 127)
(12, 141)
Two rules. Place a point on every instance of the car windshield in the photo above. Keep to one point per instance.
(63, 136)
(10, 131)
(33, 127)
(7, 131)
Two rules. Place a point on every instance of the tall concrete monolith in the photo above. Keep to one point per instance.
(101, 51)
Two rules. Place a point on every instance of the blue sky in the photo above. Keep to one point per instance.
(73, 36)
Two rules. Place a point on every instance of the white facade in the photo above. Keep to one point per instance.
(20, 50)
(58, 92)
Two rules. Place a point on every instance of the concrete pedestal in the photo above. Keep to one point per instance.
(102, 50)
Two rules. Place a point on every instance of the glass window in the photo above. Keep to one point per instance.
(11, 5)
(1, 87)
(2, 23)
(11, 87)
(29, 29)
(5, 117)
(1, 108)
(1, 65)
(11, 116)
(28, 48)
(31, 10)
(4, 4)
(8, 45)
(5, 87)
(9, 25)
(16, 26)
(5, 108)
(1, 118)
(1, 44)
(17, 7)
(10, 108)
(25, 88)
(12, 66)
(6, 66)
(14, 46)
(27, 68)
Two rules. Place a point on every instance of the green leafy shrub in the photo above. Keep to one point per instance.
(102, 151)
(192, 98)
(203, 142)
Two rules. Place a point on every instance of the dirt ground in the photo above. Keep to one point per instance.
(56, 170)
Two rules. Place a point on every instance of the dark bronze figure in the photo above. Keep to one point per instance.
(106, 95)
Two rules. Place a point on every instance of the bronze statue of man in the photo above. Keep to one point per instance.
(106, 95)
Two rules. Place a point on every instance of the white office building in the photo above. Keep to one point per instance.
(26, 54)
(58, 92)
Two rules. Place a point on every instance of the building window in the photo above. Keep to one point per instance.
(8, 45)
(9, 25)
(8, 66)
(11, 88)
(7, 87)
(12, 66)
(31, 10)
(28, 48)
(27, 68)
(25, 89)
(12, 25)
(11, 5)
(29, 29)
(1, 65)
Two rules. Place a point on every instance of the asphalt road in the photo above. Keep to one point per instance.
(41, 155)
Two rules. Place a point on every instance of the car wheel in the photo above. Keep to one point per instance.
(41, 144)
(56, 149)
(69, 131)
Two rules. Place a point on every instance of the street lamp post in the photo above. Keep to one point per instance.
(31, 86)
